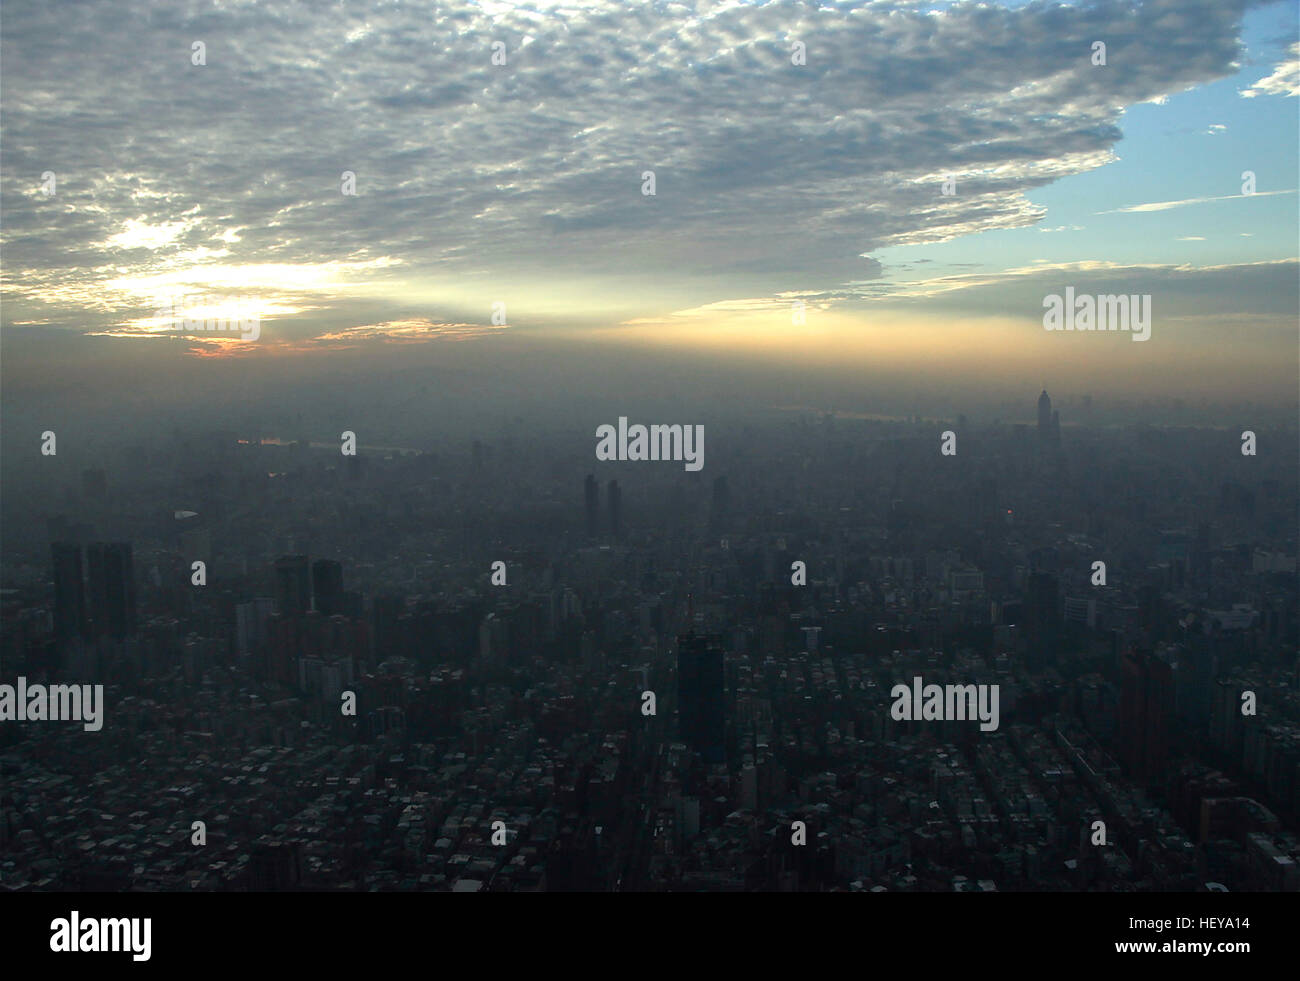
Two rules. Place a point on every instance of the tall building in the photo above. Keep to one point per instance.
(701, 705)
(110, 588)
(69, 592)
(327, 586)
(1044, 415)
(1146, 713)
(292, 585)
(614, 497)
(591, 504)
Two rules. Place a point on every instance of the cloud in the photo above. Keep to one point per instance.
(1259, 292)
(1267, 291)
(139, 235)
(416, 330)
(1167, 205)
(1284, 81)
(478, 181)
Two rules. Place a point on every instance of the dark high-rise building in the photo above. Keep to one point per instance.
(110, 588)
(353, 604)
(69, 592)
(327, 585)
(701, 705)
(1044, 413)
(614, 497)
(292, 585)
(591, 504)
(1146, 711)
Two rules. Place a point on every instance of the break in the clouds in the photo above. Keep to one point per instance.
(522, 183)
(1285, 79)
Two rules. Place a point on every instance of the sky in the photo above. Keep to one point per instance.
(216, 180)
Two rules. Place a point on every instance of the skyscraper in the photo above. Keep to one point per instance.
(292, 585)
(69, 592)
(327, 585)
(110, 585)
(701, 705)
(1146, 712)
(1044, 416)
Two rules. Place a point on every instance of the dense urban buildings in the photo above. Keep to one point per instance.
(471, 712)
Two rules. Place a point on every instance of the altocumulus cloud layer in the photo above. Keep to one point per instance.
(523, 182)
